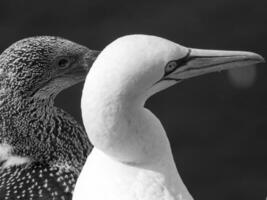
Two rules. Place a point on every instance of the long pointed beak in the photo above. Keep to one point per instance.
(198, 62)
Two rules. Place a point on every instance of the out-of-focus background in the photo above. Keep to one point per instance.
(217, 123)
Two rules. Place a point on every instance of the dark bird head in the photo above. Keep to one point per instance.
(32, 72)
(43, 66)
(40, 144)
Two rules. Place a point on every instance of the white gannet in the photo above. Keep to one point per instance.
(132, 158)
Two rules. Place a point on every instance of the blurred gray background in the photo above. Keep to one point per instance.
(217, 123)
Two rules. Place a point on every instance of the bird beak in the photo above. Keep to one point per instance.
(81, 68)
(90, 58)
(198, 62)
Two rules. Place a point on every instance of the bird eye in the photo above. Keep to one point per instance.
(63, 62)
(170, 67)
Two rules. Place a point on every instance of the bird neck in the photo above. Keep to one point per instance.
(130, 134)
(36, 129)
(24, 106)
(22, 115)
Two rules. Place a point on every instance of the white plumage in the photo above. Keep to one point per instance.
(132, 158)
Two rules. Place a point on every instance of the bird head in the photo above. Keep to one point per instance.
(129, 71)
(43, 66)
(139, 66)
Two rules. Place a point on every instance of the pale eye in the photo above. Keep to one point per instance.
(170, 67)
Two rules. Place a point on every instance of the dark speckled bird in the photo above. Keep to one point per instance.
(42, 148)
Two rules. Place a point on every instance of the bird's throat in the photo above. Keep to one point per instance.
(19, 120)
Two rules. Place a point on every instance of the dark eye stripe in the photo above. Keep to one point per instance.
(179, 63)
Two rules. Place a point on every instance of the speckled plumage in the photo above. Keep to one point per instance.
(43, 147)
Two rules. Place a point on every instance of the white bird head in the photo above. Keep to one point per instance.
(133, 68)
(138, 66)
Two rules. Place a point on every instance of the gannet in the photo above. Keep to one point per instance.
(42, 148)
(132, 158)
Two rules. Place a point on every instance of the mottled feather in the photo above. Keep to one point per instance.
(42, 148)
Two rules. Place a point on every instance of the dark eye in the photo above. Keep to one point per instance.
(63, 62)
(170, 67)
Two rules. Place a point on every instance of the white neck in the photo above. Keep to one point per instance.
(132, 155)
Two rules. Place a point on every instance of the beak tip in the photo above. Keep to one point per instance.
(262, 60)
(252, 58)
(258, 58)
